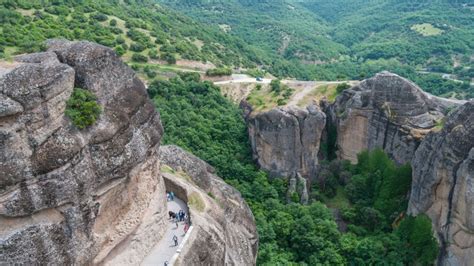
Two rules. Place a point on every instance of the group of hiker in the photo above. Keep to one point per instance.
(177, 217)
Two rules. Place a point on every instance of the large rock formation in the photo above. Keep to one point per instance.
(222, 220)
(285, 141)
(443, 185)
(92, 196)
(388, 112)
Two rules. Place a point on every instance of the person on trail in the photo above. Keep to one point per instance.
(172, 195)
(168, 196)
(172, 214)
(175, 239)
(186, 227)
(166, 263)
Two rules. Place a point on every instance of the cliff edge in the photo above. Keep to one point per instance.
(91, 196)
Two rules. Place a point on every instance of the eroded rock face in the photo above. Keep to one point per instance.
(96, 196)
(443, 185)
(286, 140)
(388, 112)
(224, 227)
(69, 196)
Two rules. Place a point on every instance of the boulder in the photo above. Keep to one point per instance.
(388, 112)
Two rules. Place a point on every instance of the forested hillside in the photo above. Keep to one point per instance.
(352, 39)
(137, 30)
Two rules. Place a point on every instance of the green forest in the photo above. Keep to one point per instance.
(137, 30)
(351, 39)
(307, 40)
(374, 192)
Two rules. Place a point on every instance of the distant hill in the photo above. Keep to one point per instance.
(138, 30)
(352, 39)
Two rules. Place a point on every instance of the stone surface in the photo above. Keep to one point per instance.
(72, 196)
(443, 185)
(224, 227)
(285, 141)
(93, 196)
(388, 112)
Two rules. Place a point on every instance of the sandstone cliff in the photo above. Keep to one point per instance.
(223, 223)
(93, 196)
(285, 141)
(443, 185)
(388, 112)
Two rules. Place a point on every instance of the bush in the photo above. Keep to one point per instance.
(276, 86)
(99, 17)
(153, 54)
(220, 71)
(139, 58)
(341, 87)
(169, 58)
(137, 47)
(119, 50)
(417, 231)
(113, 23)
(82, 108)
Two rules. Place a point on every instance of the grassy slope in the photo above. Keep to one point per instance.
(25, 24)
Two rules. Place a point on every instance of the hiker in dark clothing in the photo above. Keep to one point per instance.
(172, 214)
(175, 239)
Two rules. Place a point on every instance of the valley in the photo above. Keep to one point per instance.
(292, 132)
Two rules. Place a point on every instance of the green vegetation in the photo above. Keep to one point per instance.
(335, 40)
(195, 201)
(199, 119)
(426, 29)
(352, 39)
(82, 108)
(127, 26)
(220, 71)
(265, 98)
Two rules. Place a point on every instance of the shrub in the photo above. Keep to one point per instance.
(169, 58)
(137, 47)
(119, 50)
(113, 23)
(276, 86)
(139, 58)
(82, 108)
(99, 17)
(341, 87)
(220, 71)
(153, 54)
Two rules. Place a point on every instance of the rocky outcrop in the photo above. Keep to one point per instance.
(388, 112)
(224, 227)
(443, 185)
(286, 140)
(92, 196)
(69, 196)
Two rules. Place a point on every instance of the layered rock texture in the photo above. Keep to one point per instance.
(285, 141)
(443, 185)
(224, 227)
(434, 135)
(92, 196)
(388, 112)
